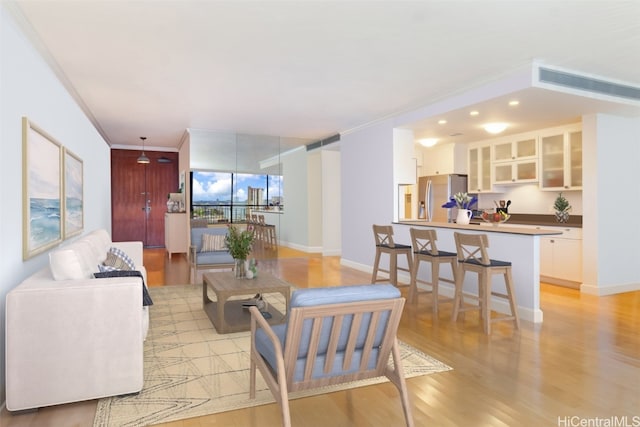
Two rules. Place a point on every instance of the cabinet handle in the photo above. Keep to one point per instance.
(513, 180)
(566, 186)
(552, 241)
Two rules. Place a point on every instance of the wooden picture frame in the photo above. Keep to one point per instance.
(42, 208)
(73, 194)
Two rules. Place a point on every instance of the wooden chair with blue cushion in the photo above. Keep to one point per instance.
(207, 250)
(333, 335)
(474, 257)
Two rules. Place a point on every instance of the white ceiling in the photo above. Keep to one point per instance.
(311, 69)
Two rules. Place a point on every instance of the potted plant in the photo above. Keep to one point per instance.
(562, 208)
(239, 244)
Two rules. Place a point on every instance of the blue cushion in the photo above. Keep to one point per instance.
(322, 296)
(341, 294)
(218, 257)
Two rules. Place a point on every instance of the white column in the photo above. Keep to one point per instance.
(611, 204)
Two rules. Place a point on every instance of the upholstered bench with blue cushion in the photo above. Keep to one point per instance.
(219, 257)
(333, 335)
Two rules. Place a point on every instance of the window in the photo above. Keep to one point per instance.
(230, 197)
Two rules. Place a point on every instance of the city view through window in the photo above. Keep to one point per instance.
(230, 197)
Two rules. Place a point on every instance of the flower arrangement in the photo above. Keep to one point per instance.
(238, 242)
(461, 201)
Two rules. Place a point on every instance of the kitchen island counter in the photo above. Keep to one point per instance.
(520, 246)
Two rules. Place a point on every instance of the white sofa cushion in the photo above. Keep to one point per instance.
(73, 262)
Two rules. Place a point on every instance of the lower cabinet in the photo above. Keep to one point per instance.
(175, 232)
(561, 258)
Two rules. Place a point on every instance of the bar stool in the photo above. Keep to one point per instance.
(385, 244)
(425, 249)
(473, 256)
(268, 233)
(257, 230)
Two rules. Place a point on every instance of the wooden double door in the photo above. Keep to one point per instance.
(139, 195)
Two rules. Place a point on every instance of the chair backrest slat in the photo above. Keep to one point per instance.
(333, 343)
(369, 342)
(312, 354)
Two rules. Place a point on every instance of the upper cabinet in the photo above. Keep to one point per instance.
(515, 161)
(561, 160)
(518, 149)
(479, 174)
(443, 159)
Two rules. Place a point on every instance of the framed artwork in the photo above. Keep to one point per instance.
(73, 194)
(42, 190)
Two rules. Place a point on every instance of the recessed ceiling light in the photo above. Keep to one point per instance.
(442, 122)
(514, 102)
(495, 128)
(474, 113)
(428, 142)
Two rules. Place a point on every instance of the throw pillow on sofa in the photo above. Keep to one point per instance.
(213, 243)
(117, 260)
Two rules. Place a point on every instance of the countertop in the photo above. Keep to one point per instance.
(484, 228)
(541, 220)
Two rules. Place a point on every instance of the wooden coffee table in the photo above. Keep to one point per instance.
(227, 315)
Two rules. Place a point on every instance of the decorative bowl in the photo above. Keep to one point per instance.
(495, 218)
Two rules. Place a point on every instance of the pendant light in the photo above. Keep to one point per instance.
(143, 159)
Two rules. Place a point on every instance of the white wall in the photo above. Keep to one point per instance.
(367, 190)
(29, 88)
(314, 200)
(294, 221)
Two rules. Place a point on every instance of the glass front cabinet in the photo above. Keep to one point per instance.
(561, 160)
(515, 161)
(479, 169)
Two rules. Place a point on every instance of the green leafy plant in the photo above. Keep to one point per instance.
(561, 204)
(239, 242)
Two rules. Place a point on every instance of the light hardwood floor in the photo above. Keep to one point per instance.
(581, 364)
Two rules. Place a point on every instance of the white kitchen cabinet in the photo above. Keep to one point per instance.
(519, 149)
(561, 257)
(561, 160)
(479, 170)
(175, 232)
(443, 159)
(515, 172)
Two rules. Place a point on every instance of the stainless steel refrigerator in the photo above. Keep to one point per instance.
(435, 191)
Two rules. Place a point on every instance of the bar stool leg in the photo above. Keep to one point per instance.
(413, 285)
(485, 288)
(435, 278)
(457, 299)
(393, 269)
(376, 262)
(508, 280)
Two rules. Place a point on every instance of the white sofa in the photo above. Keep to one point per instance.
(72, 337)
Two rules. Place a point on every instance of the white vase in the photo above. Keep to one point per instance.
(464, 215)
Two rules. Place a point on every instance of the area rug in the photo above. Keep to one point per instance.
(190, 370)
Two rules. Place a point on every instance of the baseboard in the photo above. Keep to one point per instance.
(604, 290)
